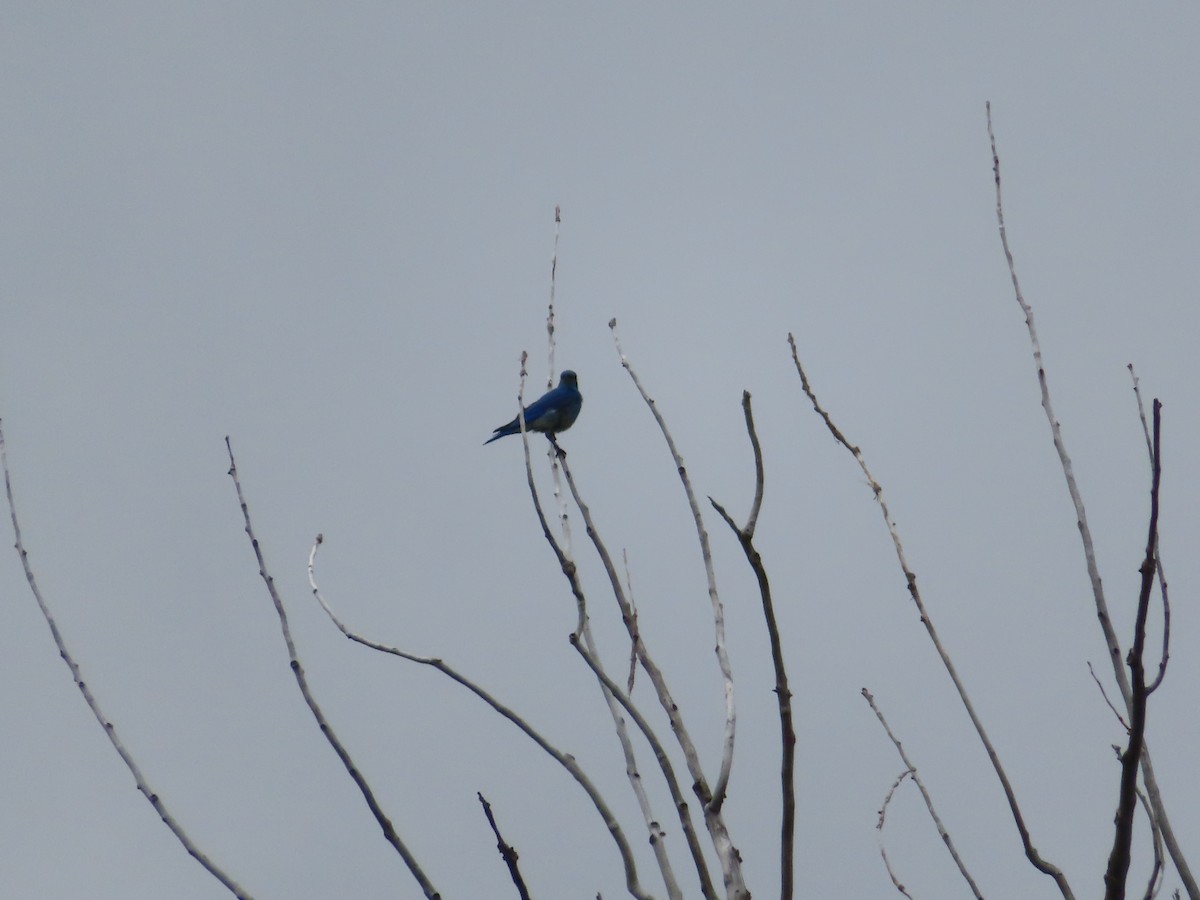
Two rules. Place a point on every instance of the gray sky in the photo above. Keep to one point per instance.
(327, 233)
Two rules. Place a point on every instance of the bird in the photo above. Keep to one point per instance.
(553, 412)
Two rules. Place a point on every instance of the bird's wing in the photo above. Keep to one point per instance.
(545, 405)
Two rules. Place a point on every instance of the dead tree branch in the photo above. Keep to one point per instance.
(110, 730)
(352, 768)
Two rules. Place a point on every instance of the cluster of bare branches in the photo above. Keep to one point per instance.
(711, 850)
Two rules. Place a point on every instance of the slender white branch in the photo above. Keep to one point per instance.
(110, 730)
(352, 768)
(914, 592)
(722, 783)
(731, 862)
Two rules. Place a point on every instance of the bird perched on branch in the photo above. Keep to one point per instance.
(553, 412)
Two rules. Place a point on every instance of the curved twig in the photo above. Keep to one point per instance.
(385, 824)
(937, 821)
(110, 730)
(887, 801)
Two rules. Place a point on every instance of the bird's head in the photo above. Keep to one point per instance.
(570, 379)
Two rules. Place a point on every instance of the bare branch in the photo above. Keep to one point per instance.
(110, 730)
(1118, 860)
(787, 773)
(566, 760)
(508, 853)
(352, 768)
(722, 783)
(1162, 576)
(912, 770)
(910, 578)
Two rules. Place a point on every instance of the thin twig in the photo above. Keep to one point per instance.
(1104, 694)
(1118, 861)
(731, 861)
(110, 730)
(887, 800)
(910, 578)
(352, 768)
(508, 853)
(787, 769)
(1089, 550)
(937, 821)
(550, 312)
(1110, 636)
(566, 760)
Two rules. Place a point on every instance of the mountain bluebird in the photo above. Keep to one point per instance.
(551, 413)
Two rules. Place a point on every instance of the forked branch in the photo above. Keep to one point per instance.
(1118, 860)
(787, 769)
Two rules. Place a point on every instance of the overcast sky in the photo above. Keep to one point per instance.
(326, 230)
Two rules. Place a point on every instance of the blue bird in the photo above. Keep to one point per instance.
(551, 413)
